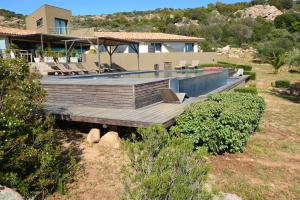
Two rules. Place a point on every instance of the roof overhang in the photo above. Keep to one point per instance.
(46, 37)
(107, 41)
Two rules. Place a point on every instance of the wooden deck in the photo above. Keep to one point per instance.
(159, 113)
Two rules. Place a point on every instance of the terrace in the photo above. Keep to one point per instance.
(131, 99)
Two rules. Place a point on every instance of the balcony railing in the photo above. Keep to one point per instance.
(77, 32)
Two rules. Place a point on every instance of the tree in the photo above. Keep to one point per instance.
(289, 21)
(293, 58)
(274, 52)
(30, 153)
(164, 166)
(281, 4)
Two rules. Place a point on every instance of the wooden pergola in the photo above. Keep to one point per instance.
(110, 44)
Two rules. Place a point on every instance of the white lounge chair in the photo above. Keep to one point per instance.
(182, 64)
(240, 72)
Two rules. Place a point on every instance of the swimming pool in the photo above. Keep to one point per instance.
(192, 82)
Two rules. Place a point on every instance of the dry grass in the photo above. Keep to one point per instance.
(270, 166)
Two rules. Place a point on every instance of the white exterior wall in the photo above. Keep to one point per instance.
(143, 47)
(167, 47)
(4, 42)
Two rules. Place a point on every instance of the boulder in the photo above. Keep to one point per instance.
(111, 140)
(226, 196)
(93, 136)
(9, 194)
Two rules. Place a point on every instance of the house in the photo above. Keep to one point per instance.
(51, 27)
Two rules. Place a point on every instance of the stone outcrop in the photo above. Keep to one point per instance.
(9, 194)
(93, 136)
(111, 140)
(266, 11)
(235, 52)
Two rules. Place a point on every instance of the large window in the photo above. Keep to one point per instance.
(39, 23)
(61, 26)
(154, 48)
(189, 47)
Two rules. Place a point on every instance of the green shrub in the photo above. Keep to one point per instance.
(164, 166)
(245, 67)
(223, 123)
(282, 84)
(30, 155)
(227, 65)
(210, 65)
(252, 75)
(251, 90)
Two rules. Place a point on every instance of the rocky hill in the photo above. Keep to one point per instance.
(266, 11)
(11, 19)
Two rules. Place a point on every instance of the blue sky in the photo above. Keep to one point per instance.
(84, 7)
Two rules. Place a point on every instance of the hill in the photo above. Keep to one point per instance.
(11, 19)
(239, 24)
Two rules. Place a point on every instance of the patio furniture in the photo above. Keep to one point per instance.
(169, 96)
(240, 72)
(182, 65)
(195, 64)
(73, 66)
(61, 68)
(90, 67)
(45, 69)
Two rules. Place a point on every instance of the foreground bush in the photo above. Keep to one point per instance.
(223, 123)
(282, 84)
(164, 167)
(30, 157)
(251, 90)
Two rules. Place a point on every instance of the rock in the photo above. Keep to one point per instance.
(111, 140)
(266, 11)
(93, 136)
(226, 196)
(9, 194)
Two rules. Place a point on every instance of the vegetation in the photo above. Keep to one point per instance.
(30, 155)
(282, 84)
(164, 166)
(223, 123)
(252, 75)
(251, 90)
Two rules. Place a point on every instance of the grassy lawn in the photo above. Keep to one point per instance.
(270, 166)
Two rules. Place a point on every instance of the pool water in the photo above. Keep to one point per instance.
(192, 82)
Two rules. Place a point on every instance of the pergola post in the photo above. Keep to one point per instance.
(66, 49)
(42, 44)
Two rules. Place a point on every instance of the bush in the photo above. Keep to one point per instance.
(210, 65)
(30, 155)
(223, 123)
(252, 75)
(282, 84)
(245, 67)
(164, 167)
(251, 90)
(227, 65)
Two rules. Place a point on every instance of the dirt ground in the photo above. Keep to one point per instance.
(268, 169)
(99, 176)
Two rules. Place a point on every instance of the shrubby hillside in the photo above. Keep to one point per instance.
(239, 24)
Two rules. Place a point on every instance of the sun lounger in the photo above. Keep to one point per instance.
(169, 96)
(182, 65)
(90, 67)
(240, 72)
(61, 68)
(195, 64)
(74, 67)
(45, 69)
